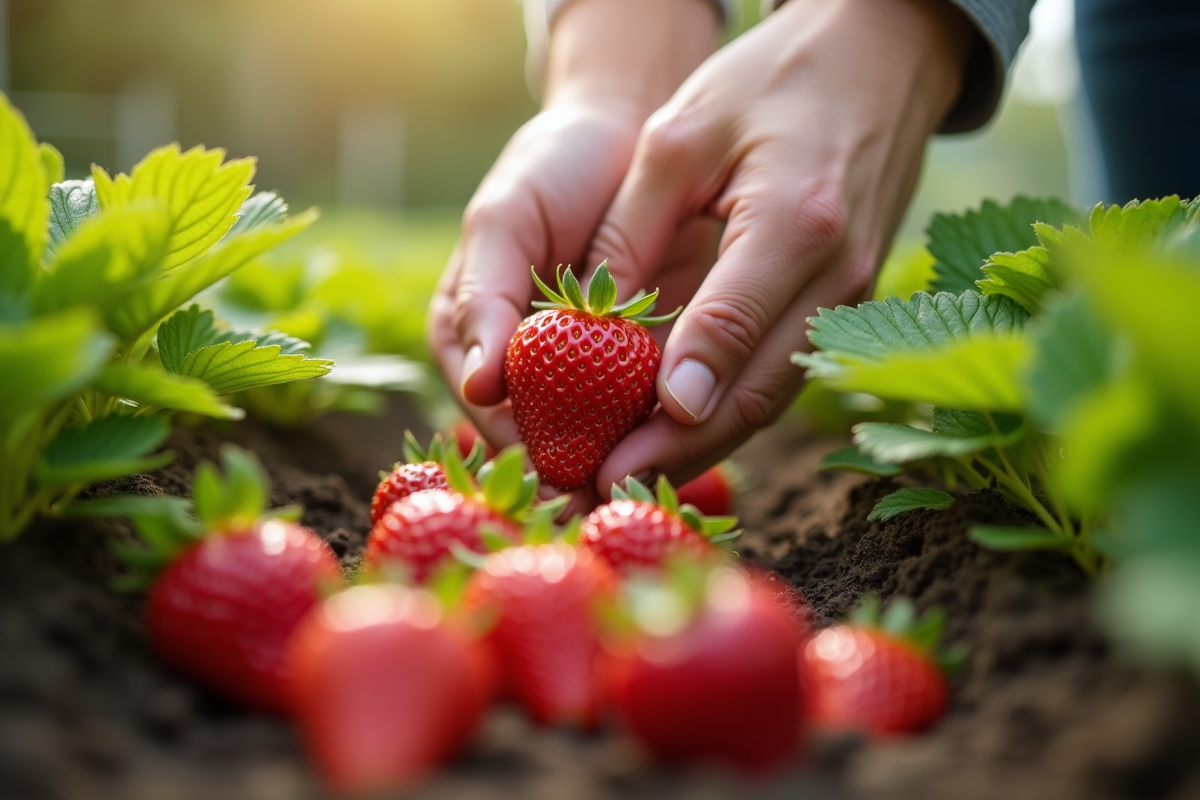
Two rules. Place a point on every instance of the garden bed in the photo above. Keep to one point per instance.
(1043, 707)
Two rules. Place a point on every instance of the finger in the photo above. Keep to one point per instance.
(761, 393)
(502, 237)
(775, 243)
(670, 180)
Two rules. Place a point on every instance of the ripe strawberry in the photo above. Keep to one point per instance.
(580, 375)
(545, 598)
(712, 491)
(419, 530)
(422, 470)
(638, 530)
(710, 672)
(878, 677)
(228, 590)
(386, 688)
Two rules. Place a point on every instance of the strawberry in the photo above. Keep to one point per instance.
(226, 590)
(544, 598)
(467, 435)
(386, 687)
(638, 530)
(423, 470)
(709, 670)
(711, 492)
(580, 375)
(418, 531)
(877, 676)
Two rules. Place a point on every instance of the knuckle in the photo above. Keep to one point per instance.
(670, 140)
(491, 209)
(753, 407)
(733, 325)
(820, 214)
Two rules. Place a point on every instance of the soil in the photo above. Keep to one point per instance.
(1044, 708)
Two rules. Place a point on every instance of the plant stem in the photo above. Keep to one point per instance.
(1024, 495)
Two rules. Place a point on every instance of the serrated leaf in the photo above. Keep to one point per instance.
(105, 448)
(107, 258)
(201, 193)
(909, 499)
(264, 208)
(996, 537)
(1074, 355)
(984, 372)
(956, 433)
(148, 386)
(71, 204)
(229, 368)
(23, 203)
(48, 359)
(849, 459)
(1137, 224)
(961, 243)
(193, 328)
(143, 309)
(1025, 277)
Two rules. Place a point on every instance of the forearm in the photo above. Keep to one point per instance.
(627, 56)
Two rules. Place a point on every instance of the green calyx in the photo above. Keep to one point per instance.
(601, 297)
(231, 502)
(502, 483)
(715, 529)
(437, 450)
(900, 621)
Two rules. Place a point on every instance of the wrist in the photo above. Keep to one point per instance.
(626, 57)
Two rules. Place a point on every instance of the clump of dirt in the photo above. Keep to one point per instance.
(1043, 708)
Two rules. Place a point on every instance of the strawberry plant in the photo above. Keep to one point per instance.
(580, 375)
(96, 350)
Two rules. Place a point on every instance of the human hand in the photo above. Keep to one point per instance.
(805, 136)
(611, 63)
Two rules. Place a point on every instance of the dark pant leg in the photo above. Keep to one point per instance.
(1141, 72)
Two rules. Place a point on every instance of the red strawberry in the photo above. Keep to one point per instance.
(420, 530)
(580, 375)
(423, 470)
(229, 590)
(467, 435)
(385, 688)
(709, 677)
(545, 598)
(879, 680)
(638, 530)
(711, 492)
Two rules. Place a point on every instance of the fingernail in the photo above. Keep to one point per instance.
(691, 384)
(471, 365)
(644, 476)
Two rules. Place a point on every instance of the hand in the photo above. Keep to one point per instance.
(611, 63)
(805, 136)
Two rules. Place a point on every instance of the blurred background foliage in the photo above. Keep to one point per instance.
(387, 113)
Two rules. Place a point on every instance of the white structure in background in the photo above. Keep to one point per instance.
(1047, 73)
(370, 157)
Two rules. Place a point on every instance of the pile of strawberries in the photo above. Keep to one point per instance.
(471, 593)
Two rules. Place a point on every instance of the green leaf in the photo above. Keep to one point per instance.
(1025, 277)
(638, 491)
(983, 372)
(955, 433)
(128, 505)
(71, 204)
(961, 243)
(49, 359)
(107, 258)
(193, 328)
(909, 499)
(1149, 606)
(881, 328)
(1074, 355)
(53, 165)
(502, 489)
(666, 496)
(144, 308)
(148, 386)
(571, 289)
(105, 448)
(264, 208)
(1137, 224)
(602, 291)
(23, 203)
(202, 195)
(997, 537)
(849, 459)
(229, 368)
(247, 487)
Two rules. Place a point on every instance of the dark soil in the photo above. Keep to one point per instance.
(1042, 709)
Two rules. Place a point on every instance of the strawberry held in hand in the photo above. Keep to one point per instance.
(419, 531)
(386, 686)
(580, 375)
(229, 589)
(638, 530)
(878, 676)
(424, 469)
